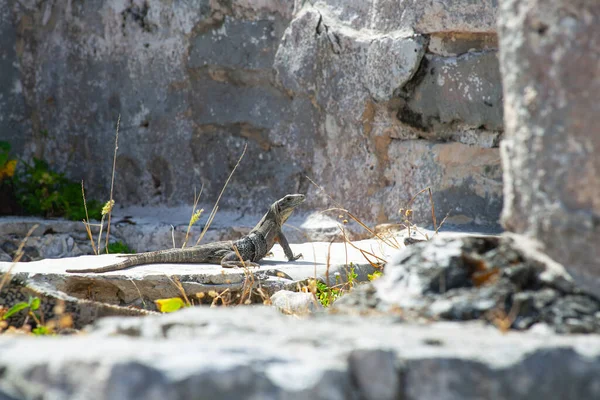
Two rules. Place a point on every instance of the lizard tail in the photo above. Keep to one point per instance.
(154, 257)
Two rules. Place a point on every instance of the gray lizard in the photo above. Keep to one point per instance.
(251, 248)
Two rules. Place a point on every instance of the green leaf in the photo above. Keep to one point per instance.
(169, 305)
(34, 303)
(41, 330)
(374, 275)
(15, 309)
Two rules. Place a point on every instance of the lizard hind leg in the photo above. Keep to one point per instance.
(239, 264)
(231, 260)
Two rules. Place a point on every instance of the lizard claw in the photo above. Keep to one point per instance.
(294, 258)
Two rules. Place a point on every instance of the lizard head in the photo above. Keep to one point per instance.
(284, 207)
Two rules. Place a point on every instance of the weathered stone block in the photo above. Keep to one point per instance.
(456, 43)
(419, 16)
(346, 65)
(465, 180)
(550, 62)
(237, 44)
(194, 82)
(236, 352)
(463, 89)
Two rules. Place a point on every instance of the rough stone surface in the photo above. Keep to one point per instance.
(551, 70)
(19, 289)
(467, 179)
(251, 353)
(457, 43)
(325, 56)
(311, 86)
(457, 89)
(422, 17)
(141, 285)
(298, 303)
(504, 280)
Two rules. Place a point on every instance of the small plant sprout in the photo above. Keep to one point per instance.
(375, 275)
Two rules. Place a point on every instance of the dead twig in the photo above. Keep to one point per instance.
(18, 255)
(215, 208)
(112, 184)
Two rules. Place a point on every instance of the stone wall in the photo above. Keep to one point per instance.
(375, 100)
(551, 72)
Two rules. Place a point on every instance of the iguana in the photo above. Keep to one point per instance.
(251, 248)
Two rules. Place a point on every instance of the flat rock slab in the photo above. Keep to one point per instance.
(142, 284)
(256, 353)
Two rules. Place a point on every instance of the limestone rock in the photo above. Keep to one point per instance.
(81, 312)
(503, 280)
(255, 352)
(422, 17)
(348, 61)
(550, 156)
(298, 303)
(457, 89)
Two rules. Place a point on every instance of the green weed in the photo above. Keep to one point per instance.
(327, 295)
(374, 275)
(119, 248)
(32, 306)
(41, 191)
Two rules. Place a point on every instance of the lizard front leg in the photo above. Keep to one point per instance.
(286, 248)
(231, 260)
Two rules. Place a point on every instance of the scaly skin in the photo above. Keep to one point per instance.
(252, 248)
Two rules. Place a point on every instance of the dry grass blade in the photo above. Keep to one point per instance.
(371, 231)
(416, 229)
(345, 245)
(86, 222)
(112, 184)
(18, 255)
(415, 196)
(215, 208)
(179, 287)
(408, 210)
(247, 286)
(328, 263)
(441, 223)
(173, 235)
(329, 293)
(346, 239)
(138, 290)
(324, 192)
(218, 296)
(364, 253)
(208, 223)
(100, 232)
(432, 210)
(237, 253)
